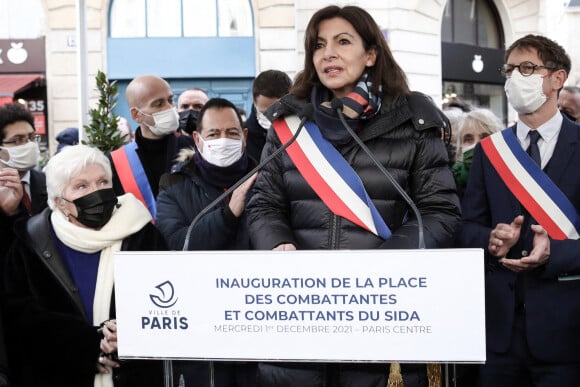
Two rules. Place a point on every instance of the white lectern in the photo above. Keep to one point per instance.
(328, 306)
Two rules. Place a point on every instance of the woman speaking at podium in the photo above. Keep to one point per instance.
(327, 192)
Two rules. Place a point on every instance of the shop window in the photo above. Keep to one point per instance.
(473, 22)
(180, 18)
(472, 50)
(21, 22)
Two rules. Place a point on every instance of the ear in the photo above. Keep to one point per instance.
(371, 57)
(558, 79)
(60, 203)
(195, 136)
(245, 131)
(135, 114)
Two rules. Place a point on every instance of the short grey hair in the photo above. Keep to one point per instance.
(483, 120)
(66, 165)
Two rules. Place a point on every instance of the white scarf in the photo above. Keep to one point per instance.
(130, 217)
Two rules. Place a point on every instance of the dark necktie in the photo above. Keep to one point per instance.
(25, 198)
(533, 149)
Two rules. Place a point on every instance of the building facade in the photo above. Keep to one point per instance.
(446, 47)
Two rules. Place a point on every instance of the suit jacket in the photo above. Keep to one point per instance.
(38, 199)
(551, 306)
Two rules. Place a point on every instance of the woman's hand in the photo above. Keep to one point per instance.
(104, 363)
(108, 347)
(285, 247)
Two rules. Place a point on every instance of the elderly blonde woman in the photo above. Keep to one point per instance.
(60, 311)
(474, 127)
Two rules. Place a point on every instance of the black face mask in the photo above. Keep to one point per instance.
(188, 120)
(95, 209)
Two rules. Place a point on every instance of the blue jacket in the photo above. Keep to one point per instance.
(552, 307)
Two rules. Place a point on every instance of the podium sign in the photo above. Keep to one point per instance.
(339, 305)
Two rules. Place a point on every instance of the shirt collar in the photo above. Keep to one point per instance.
(26, 178)
(547, 130)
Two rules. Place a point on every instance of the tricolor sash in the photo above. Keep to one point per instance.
(132, 175)
(330, 176)
(531, 186)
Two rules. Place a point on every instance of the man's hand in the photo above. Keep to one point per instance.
(538, 256)
(238, 200)
(504, 236)
(11, 191)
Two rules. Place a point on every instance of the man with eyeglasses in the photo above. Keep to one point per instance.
(22, 188)
(521, 206)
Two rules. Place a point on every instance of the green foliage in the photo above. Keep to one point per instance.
(102, 132)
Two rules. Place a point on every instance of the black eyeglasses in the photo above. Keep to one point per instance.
(21, 140)
(526, 68)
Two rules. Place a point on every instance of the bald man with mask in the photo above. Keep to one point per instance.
(189, 104)
(138, 166)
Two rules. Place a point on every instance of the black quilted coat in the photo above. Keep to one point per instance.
(406, 138)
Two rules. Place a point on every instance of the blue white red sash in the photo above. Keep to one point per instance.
(132, 175)
(531, 186)
(330, 176)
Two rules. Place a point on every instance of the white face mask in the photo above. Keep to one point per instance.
(22, 157)
(221, 152)
(525, 93)
(166, 122)
(467, 148)
(263, 121)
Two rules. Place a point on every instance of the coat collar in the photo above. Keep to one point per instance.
(40, 238)
(415, 107)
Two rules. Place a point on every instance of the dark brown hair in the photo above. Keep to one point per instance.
(271, 84)
(385, 72)
(12, 113)
(550, 52)
(217, 103)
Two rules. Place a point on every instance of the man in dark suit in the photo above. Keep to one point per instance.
(22, 188)
(521, 206)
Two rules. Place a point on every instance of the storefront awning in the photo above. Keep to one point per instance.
(12, 84)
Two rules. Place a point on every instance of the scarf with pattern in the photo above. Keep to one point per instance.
(358, 106)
